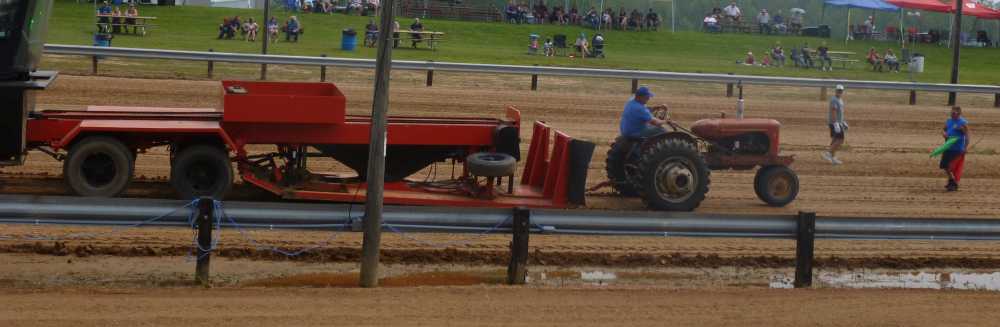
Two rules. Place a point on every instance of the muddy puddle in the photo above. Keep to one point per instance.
(989, 281)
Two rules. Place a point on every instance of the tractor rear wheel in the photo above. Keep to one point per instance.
(673, 175)
(616, 166)
(776, 185)
(201, 170)
(490, 164)
(99, 166)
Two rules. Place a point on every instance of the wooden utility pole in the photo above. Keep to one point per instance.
(375, 175)
(956, 32)
(267, 37)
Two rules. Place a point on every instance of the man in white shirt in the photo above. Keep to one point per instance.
(733, 12)
(711, 24)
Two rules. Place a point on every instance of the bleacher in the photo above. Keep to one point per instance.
(449, 9)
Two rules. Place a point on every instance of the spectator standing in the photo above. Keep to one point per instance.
(574, 16)
(582, 46)
(795, 23)
(953, 159)
(652, 20)
(608, 20)
(825, 63)
(733, 12)
(869, 27)
(104, 17)
(838, 126)
(416, 27)
(511, 13)
(292, 29)
(764, 21)
(891, 61)
(395, 34)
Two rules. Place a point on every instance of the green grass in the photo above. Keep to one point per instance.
(195, 28)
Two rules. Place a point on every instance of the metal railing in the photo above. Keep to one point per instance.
(430, 66)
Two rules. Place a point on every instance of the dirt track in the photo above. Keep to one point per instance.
(886, 172)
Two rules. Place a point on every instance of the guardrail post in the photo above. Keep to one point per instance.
(263, 72)
(635, 85)
(93, 69)
(729, 89)
(430, 76)
(517, 270)
(211, 65)
(913, 97)
(534, 81)
(806, 234)
(204, 221)
(322, 70)
(996, 100)
(822, 94)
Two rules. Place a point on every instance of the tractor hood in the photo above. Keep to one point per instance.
(714, 129)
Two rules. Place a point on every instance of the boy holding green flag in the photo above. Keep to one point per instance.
(956, 132)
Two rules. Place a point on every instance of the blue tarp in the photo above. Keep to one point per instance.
(864, 4)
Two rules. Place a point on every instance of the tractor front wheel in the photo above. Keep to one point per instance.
(201, 170)
(673, 175)
(776, 185)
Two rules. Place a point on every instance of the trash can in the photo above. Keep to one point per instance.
(102, 40)
(348, 40)
(917, 63)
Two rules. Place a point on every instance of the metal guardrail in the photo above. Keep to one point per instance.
(89, 211)
(510, 69)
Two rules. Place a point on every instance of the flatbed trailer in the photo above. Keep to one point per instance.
(98, 147)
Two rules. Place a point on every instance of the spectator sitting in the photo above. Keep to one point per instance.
(116, 20)
(395, 34)
(592, 18)
(779, 22)
(582, 47)
(608, 20)
(635, 20)
(766, 62)
(733, 13)
(874, 59)
(778, 54)
(750, 59)
(574, 16)
(891, 61)
(764, 21)
(549, 49)
(807, 60)
(416, 27)
(292, 29)
(272, 29)
(251, 28)
(825, 63)
(511, 13)
(796, 57)
(371, 32)
(711, 24)
(597, 44)
(237, 25)
(622, 19)
(225, 29)
(652, 20)
(130, 16)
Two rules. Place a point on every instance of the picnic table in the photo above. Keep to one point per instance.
(428, 36)
(138, 25)
(843, 57)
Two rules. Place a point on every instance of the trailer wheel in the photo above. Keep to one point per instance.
(99, 166)
(487, 164)
(673, 175)
(201, 170)
(619, 172)
(776, 185)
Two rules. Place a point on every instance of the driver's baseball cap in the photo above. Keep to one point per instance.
(840, 87)
(643, 91)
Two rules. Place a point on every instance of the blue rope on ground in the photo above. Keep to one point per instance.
(466, 241)
(246, 236)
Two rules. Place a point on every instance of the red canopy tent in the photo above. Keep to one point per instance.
(929, 5)
(979, 11)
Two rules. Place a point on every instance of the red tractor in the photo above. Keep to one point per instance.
(671, 171)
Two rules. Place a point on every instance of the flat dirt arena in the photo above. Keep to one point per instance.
(140, 277)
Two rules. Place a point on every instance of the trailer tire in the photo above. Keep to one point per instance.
(489, 164)
(99, 166)
(674, 175)
(616, 168)
(201, 170)
(776, 185)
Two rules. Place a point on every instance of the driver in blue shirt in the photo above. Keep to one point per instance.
(637, 120)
